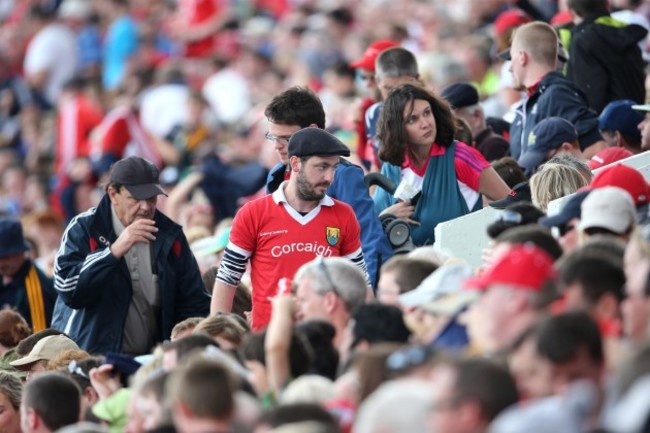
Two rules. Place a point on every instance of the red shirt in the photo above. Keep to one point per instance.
(193, 12)
(76, 119)
(278, 240)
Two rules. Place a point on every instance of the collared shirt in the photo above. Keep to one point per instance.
(142, 322)
(277, 240)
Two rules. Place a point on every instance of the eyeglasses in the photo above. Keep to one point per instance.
(510, 216)
(73, 368)
(409, 357)
(282, 139)
(323, 267)
(565, 228)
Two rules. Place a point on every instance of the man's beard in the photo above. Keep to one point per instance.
(306, 191)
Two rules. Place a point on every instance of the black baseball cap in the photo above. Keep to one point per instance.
(316, 142)
(460, 95)
(519, 193)
(139, 177)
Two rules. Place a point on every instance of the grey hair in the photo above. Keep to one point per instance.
(572, 161)
(350, 284)
(12, 388)
(396, 62)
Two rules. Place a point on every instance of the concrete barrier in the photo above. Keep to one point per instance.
(466, 236)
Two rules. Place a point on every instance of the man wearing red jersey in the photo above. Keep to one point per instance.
(297, 223)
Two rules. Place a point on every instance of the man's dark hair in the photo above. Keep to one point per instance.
(300, 352)
(508, 170)
(379, 323)
(55, 398)
(298, 412)
(26, 345)
(296, 106)
(392, 130)
(528, 213)
(597, 275)
(320, 335)
(81, 375)
(584, 7)
(409, 272)
(539, 236)
(561, 337)
(487, 383)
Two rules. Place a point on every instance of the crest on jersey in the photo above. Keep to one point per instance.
(333, 234)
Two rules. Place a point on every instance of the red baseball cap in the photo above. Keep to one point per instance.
(510, 18)
(525, 266)
(371, 54)
(608, 156)
(626, 178)
(561, 18)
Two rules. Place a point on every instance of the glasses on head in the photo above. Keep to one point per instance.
(328, 277)
(282, 139)
(510, 216)
(409, 357)
(73, 368)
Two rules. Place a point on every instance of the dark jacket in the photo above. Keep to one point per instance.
(30, 291)
(95, 290)
(605, 60)
(348, 187)
(555, 96)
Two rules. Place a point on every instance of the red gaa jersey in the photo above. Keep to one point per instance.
(278, 240)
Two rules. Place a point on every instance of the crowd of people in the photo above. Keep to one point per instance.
(219, 216)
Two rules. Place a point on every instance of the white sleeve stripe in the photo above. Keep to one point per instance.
(92, 258)
(236, 249)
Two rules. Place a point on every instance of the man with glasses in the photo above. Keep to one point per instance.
(298, 108)
(297, 223)
(550, 137)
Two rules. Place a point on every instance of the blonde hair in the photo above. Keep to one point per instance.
(553, 181)
(61, 360)
(539, 40)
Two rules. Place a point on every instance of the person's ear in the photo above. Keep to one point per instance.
(33, 420)
(295, 163)
(607, 307)
(331, 300)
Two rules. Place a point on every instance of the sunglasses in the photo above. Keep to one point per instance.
(73, 368)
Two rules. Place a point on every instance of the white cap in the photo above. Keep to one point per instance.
(610, 208)
(445, 280)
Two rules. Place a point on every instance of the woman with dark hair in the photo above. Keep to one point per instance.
(438, 177)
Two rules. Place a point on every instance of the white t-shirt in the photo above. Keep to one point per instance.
(228, 94)
(53, 49)
(164, 107)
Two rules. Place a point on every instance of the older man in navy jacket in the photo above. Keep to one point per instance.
(124, 272)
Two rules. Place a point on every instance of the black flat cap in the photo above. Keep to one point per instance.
(316, 142)
(460, 95)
